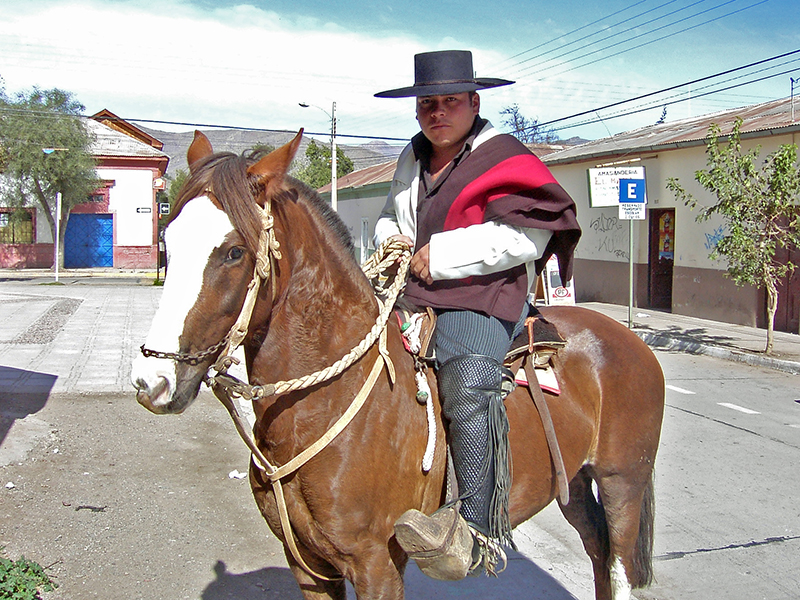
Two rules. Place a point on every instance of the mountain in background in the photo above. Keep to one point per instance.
(239, 140)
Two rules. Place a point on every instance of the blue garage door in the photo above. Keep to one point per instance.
(89, 241)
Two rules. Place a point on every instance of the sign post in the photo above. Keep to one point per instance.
(557, 292)
(58, 224)
(632, 202)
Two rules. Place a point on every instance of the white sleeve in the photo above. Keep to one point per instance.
(483, 249)
(386, 226)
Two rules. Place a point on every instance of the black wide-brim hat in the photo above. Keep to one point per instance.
(444, 72)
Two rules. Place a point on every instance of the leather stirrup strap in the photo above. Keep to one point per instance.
(539, 400)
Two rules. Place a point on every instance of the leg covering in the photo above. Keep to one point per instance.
(471, 389)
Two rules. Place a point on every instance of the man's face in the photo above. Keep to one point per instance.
(446, 120)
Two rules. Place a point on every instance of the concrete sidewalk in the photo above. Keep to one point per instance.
(701, 336)
(92, 276)
(65, 347)
(82, 334)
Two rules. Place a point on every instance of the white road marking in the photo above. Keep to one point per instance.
(675, 388)
(746, 411)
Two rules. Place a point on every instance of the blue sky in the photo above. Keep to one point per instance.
(249, 64)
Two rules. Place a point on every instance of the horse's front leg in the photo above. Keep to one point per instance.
(313, 588)
(378, 572)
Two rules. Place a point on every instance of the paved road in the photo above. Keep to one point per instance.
(727, 513)
(125, 504)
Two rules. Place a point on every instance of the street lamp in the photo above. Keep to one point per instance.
(48, 152)
(334, 182)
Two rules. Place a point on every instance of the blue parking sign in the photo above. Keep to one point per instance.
(631, 191)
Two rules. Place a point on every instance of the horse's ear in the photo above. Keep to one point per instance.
(271, 169)
(199, 148)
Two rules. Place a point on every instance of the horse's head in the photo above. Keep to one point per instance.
(212, 241)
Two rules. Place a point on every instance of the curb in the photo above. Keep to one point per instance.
(667, 342)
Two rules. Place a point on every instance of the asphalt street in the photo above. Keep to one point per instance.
(120, 503)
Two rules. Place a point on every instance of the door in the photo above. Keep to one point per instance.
(661, 257)
(89, 241)
(787, 313)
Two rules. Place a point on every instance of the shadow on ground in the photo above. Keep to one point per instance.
(522, 579)
(34, 391)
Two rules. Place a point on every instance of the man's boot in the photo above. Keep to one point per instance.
(472, 400)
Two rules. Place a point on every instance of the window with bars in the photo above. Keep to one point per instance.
(16, 226)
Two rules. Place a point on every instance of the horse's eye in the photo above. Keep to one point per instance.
(234, 253)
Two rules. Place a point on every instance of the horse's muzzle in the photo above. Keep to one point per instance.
(156, 399)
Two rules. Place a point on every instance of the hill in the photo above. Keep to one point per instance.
(239, 140)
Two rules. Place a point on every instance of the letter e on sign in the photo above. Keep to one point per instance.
(632, 199)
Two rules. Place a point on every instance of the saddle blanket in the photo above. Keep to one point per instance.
(546, 376)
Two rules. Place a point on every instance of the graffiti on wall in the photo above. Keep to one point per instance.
(713, 238)
(612, 237)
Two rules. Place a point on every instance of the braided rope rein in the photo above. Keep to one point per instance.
(389, 253)
(226, 388)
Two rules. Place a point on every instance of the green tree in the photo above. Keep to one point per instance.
(527, 131)
(759, 204)
(44, 151)
(176, 182)
(317, 172)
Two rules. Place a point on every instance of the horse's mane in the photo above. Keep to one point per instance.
(224, 174)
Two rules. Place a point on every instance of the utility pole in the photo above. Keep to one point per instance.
(334, 177)
(334, 169)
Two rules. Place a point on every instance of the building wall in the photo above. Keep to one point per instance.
(26, 256)
(361, 203)
(132, 200)
(699, 285)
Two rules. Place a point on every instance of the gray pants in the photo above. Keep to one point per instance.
(462, 332)
(470, 348)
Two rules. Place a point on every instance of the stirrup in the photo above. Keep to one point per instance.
(441, 544)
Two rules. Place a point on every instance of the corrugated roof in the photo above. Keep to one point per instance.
(381, 173)
(106, 117)
(759, 120)
(541, 150)
(110, 143)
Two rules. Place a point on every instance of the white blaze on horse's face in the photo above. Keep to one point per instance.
(190, 239)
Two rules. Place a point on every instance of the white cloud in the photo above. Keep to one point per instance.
(237, 66)
(250, 67)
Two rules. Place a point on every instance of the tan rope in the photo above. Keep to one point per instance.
(225, 386)
(268, 249)
(388, 254)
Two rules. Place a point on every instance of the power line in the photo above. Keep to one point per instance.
(639, 110)
(647, 43)
(43, 113)
(674, 87)
(327, 133)
(613, 35)
(543, 44)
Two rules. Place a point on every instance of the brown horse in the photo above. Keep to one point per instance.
(314, 307)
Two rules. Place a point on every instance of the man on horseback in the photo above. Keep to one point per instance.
(483, 215)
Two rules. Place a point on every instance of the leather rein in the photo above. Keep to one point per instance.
(226, 387)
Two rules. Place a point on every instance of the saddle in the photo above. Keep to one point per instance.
(530, 358)
(539, 339)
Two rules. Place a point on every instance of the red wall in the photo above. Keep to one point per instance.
(26, 256)
(135, 257)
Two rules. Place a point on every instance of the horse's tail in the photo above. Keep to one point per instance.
(642, 575)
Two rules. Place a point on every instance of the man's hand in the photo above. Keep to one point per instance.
(403, 239)
(421, 264)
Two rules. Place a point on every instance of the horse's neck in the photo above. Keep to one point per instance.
(325, 308)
